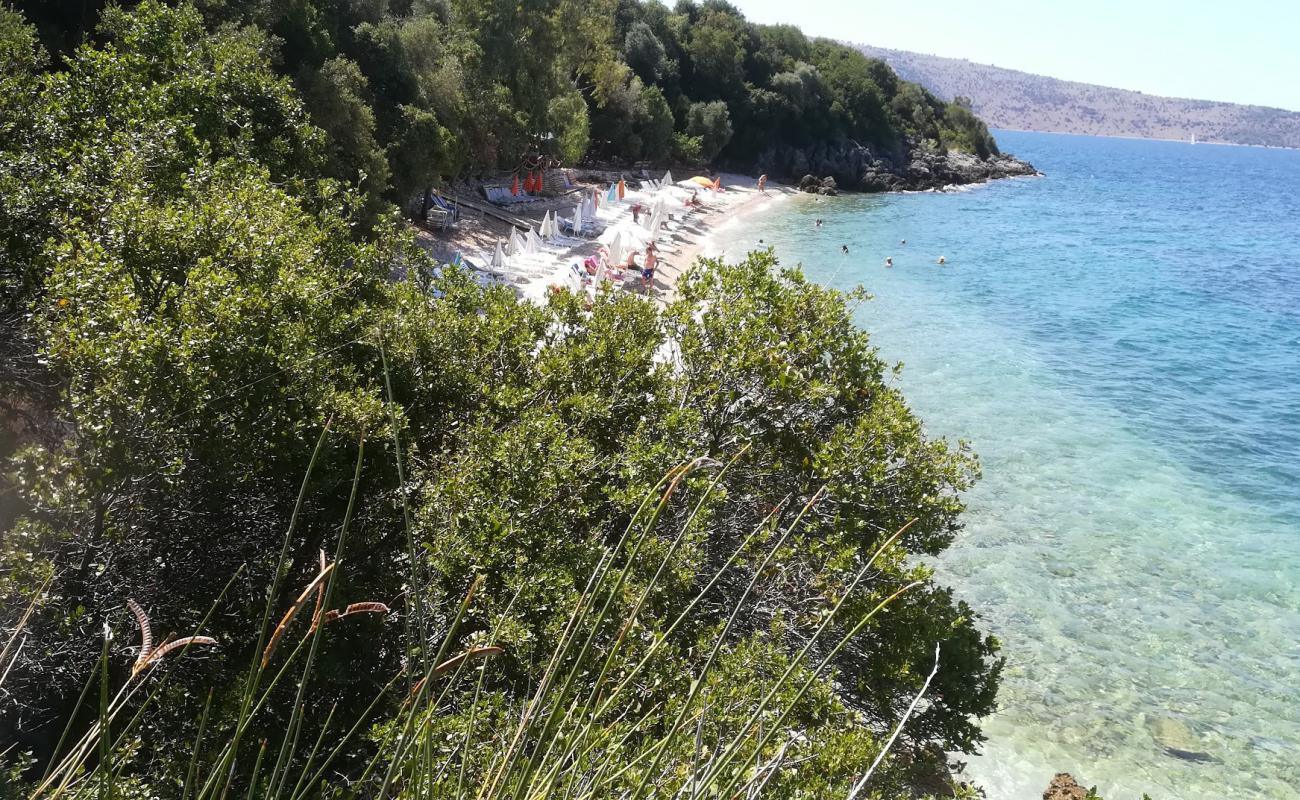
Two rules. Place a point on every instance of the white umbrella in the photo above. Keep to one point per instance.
(547, 231)
(577, 220)
(532, 241)
(517, 246)
(499, 256)
(668, 178)
(656, 223)
(616, 255)
(631, 233)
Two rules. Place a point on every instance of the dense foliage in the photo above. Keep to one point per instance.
(234, 363)
(467, 86)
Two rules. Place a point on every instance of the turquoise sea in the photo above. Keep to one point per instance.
(1120, 341)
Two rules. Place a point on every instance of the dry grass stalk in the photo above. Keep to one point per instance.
(455, 661)
(148, 655)
(354, 608)
(146, 636)
(293, 612)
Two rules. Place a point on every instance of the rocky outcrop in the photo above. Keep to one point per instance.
(1065, 787)
(848, 165)
(814, 185)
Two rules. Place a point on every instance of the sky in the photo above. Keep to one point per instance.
(1240, 51)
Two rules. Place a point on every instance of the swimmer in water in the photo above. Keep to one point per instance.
(844, 248)
(942, 261)
(819, 223)
(902, 241)
(889, 262)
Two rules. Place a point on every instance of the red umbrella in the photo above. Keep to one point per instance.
(514, 187)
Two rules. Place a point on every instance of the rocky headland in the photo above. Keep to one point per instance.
(846, 165)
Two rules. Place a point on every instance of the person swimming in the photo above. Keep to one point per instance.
(844, 248)
(889, 262)
(819, 223)
(902, 241)
(942, 261)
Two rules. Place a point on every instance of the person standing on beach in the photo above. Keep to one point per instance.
(762, 183)
(651, 261)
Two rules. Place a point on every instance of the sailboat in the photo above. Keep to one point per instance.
(1193, 141)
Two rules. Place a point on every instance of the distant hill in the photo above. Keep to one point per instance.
(1007, 98)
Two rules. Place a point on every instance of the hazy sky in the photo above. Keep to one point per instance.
(1242, 51)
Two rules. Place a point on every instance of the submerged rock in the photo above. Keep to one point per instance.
(1178, 740)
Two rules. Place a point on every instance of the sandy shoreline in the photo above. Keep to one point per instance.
(682, 238)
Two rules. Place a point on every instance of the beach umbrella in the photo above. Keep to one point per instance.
(533, 241)
(499, 256)
(630, 234)
(537, 184)
(612, 194)
(622, 188)
(717, 184)
(577, 220)
(545, 228)
(668, 178)
(514, 186)
(516, 246)
(656, 222)
(616, 255)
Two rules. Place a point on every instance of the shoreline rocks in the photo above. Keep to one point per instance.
(1065, 787)
(847, 165)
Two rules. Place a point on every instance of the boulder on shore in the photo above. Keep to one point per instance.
(1065, 787)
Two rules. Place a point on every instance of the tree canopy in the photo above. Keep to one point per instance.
(246, 379)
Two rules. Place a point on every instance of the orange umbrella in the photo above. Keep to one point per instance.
(514, 186)
(537, 184)
(717, 184)
(622, 187)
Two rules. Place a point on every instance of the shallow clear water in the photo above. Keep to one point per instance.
(1120, 341)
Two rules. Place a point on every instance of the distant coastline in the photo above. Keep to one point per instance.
(1010, 99)
(1198, 142)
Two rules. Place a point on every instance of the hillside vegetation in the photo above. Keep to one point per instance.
(1015, 100)
(280, 523)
